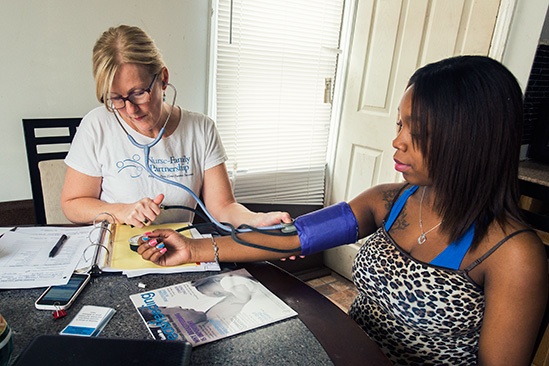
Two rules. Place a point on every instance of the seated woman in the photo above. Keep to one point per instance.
(450, 273)
(107, 173)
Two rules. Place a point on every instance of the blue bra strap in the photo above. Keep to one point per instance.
(397, 207)
(453, 255)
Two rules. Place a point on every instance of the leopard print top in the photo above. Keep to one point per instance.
(419, 314)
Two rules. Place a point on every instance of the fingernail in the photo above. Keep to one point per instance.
(160, 246)
(144, 238)
(153, 242)
(163, 250)
(147, 233)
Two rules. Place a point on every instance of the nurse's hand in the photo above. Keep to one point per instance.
(143, 212)
(260, 219)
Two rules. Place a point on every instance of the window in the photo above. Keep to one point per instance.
(274, 66)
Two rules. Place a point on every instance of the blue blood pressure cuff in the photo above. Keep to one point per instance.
(327, 228)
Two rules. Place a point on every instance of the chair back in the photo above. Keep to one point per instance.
(52, 176)
(47, 141)
(541, 351)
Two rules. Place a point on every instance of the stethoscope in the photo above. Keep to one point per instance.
(146, 153)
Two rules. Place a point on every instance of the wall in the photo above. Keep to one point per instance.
(46, 60)
(46, 63)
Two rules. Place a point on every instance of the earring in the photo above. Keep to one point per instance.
(163, 96)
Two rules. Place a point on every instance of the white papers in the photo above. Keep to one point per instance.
(25, 261)
(194, 267)
(4, 229)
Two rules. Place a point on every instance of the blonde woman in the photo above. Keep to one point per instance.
(107, 172)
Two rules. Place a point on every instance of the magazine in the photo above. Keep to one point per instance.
(210, 308)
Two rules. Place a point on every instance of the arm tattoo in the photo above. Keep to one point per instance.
(389, 197)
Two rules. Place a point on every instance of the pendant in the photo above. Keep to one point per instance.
(421, 239)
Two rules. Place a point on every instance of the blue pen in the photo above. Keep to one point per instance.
(58, 245)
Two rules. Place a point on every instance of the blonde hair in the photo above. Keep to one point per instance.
(121, 45)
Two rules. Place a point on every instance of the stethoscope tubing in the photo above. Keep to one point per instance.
(146, 153)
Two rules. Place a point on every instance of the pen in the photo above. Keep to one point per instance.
(58, 245)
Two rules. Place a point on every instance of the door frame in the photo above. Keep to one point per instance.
(340, 259)
(497, 48)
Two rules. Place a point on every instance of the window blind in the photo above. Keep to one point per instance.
(273, 59)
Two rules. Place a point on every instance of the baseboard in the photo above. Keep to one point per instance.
(15, 213)
(307, 268)
(293, 209)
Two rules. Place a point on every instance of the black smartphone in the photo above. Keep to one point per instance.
(62, 297)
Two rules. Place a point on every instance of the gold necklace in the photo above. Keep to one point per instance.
(423, 237)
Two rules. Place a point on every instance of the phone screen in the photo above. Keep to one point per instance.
(62, 294)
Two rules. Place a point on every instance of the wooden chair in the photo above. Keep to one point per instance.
(534, 198)
(47, 142)
(541, 356)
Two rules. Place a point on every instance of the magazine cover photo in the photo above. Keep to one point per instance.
(210, 308)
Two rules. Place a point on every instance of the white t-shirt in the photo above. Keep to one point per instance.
(101, 149)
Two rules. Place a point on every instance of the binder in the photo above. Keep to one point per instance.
(101, 247)
(112, 251)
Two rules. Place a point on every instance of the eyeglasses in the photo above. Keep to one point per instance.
(137, 97)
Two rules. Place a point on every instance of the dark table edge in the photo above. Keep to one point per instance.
(342, 339)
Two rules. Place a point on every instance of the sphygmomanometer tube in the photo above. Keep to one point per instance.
(326, 228)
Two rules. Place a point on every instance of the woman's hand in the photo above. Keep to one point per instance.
(269, 218)
(165, 247)
(273, 218)
(143, 212)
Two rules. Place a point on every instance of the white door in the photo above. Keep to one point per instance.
(391, 39)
